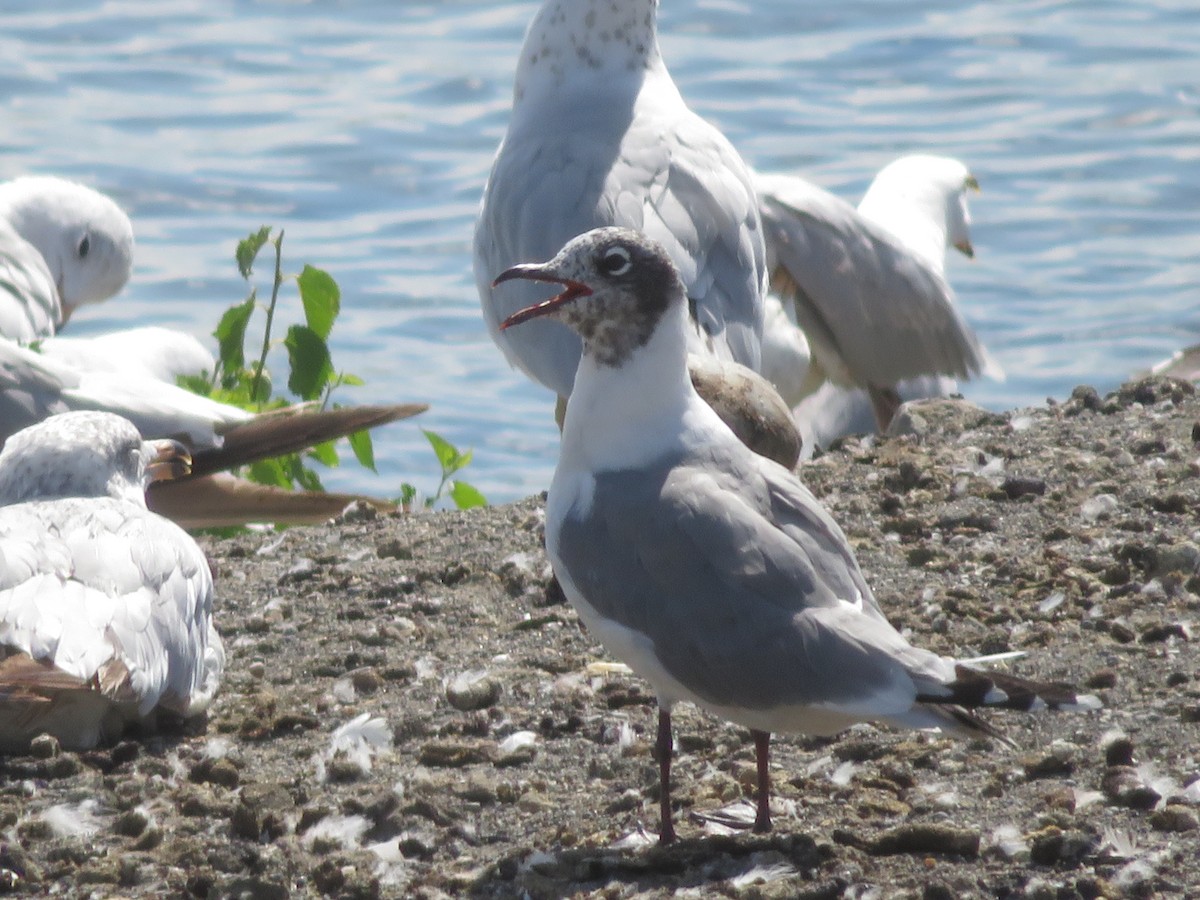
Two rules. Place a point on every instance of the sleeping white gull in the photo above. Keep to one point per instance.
(78, 238)
(867, 285)
(712, 571)
(599, 135)
(105, 607)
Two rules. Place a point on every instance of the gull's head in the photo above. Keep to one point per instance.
(617, 285)
(933, 187)
(86, 454)
(85, 238)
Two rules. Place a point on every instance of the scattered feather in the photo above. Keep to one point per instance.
(1008, 841)
(842, 774)
(338, 831)
(763, 871)
(635, 840)
(518, 740)
(74, 820)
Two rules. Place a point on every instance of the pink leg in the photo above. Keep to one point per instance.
(662, 749)
(762, 821)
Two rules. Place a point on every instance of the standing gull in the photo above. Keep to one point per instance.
(105, 607)
(599, 135)
(710, 570)
(867, 285)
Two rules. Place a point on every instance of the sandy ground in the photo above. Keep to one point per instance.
(411, 710)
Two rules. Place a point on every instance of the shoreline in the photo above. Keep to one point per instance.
(509, 760)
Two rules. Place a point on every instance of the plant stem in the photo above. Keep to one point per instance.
(266, 344)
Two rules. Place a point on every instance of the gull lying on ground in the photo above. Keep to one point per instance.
(219, 436)
(710, 570)
(867, 285)
(105, 607)
(599, 135)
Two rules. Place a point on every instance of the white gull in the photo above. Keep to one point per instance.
(867, 287)
(105, 607)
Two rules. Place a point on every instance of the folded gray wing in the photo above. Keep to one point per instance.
(29, 301)
(748, 591)
(873, 312)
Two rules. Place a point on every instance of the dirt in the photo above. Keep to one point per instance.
(411, 710)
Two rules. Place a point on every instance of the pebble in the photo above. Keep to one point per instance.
(472, 690)
(927, 837)
(1124, 786)
(44, 746)
(1174, 818)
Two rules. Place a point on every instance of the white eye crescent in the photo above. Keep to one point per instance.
(616, 261)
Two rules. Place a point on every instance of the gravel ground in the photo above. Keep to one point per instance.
(411, 710)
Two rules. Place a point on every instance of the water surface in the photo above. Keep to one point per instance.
(366, 130)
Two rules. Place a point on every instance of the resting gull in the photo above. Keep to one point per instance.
(62, 244)
(105, 607)
(867, 285)
(710, 570)
(599, 135)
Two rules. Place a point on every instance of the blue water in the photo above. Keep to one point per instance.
(366, 130)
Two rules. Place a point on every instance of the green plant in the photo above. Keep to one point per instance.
(311, 374)
(451, 460)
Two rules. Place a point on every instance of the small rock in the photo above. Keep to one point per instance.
(1174, 818)
(1052, 845)
(1104, 678)
(926, 837)
(1016, 487)
(44, 746)
(472, 690)
(454, 754)
(131, 823)
(214, 771)
(1119, 752)
(394, 549)
(1124, 787)
(366, 680)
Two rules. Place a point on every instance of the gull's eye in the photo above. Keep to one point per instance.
(615, 261)
(84, 246)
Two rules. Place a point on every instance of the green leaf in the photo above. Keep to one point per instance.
(263, 394)
(352, 380)
(447, 454)
(466, 497)
(321, 297)
(308, 357)
(197, 384)
(462, 461)
(231, 334)
(408, 493)
(364, 449)
(248, 249)
(270, 472)
(324, 453)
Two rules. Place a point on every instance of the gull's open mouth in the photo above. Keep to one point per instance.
(572, 290)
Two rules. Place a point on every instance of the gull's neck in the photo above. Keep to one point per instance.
(588, 40)
(913, 213)
(620, 417)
